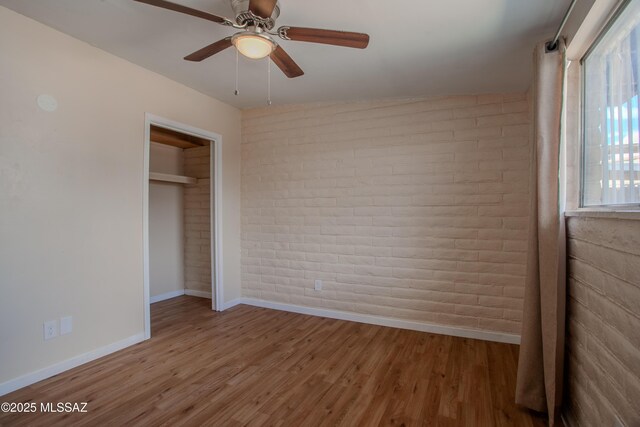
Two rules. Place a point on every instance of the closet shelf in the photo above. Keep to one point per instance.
(156, 176)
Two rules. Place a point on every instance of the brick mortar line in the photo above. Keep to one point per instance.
(603, 345)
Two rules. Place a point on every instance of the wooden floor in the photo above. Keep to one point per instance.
(254, 366)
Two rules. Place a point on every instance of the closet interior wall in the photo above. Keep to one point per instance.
(166, 223)
(180, 233)
(197, 220)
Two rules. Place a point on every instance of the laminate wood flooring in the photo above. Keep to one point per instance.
(254, 366)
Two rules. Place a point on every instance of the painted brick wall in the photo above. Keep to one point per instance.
(603, 341)
(410, 209)
(197, 247)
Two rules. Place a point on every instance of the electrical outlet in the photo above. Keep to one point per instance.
(66, 325)
(50, 329)
(318, 285)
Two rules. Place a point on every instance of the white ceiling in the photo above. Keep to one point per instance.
(417, 48)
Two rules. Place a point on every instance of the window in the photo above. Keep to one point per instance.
(611, 151)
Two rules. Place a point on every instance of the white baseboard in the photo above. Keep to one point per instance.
(229, 304)
(166, 296)
(173, 294)
(199, 294)
(386, 321)
(42, 374)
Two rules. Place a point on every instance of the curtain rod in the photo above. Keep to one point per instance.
(553, 45)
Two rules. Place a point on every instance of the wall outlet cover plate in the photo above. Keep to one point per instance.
(50, 329)
(66, 325)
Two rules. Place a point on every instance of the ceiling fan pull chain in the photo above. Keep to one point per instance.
(268, 80)
(237, 91)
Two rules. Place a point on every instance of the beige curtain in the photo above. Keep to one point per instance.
(539, 385)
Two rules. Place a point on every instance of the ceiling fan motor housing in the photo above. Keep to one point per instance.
(244, 16)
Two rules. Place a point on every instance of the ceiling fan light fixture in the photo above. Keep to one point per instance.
(257, 19)
(253, 45)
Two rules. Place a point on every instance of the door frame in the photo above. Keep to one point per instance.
(215, 208)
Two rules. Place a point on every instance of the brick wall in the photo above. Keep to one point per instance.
(603, 341)
(197, 247)
(410, 209)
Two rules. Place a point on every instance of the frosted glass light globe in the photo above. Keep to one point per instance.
(253, 46)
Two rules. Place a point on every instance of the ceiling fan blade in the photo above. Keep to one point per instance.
(285, 63)
(262, 8)
(332, 37)
(210, 50)
(184, 9)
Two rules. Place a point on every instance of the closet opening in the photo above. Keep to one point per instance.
(181, 241)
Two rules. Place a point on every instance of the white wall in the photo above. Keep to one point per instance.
(166, 222)
(603, 321)
(71, 191)
(410, 209)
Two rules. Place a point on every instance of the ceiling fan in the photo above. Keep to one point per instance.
(257, 19)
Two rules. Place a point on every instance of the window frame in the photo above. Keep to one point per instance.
(583, 138)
